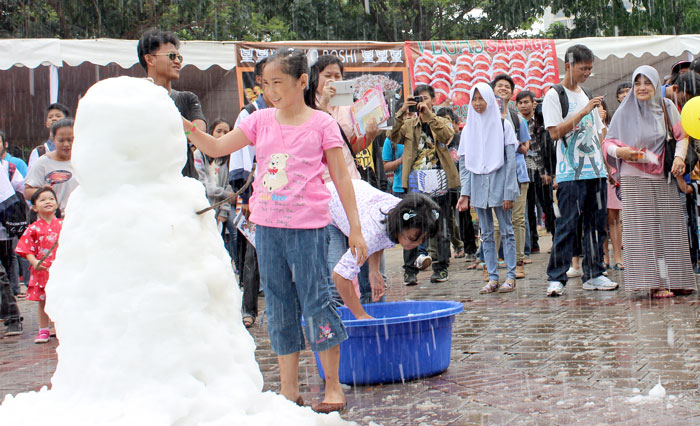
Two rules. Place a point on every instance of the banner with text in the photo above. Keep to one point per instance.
(372, 64)
(453, 67)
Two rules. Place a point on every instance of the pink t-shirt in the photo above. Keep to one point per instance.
(288, 191)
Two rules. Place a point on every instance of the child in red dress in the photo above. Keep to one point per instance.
(38, 245)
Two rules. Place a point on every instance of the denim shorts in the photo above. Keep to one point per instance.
(294, 275)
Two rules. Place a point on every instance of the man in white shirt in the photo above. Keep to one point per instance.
(571, 118)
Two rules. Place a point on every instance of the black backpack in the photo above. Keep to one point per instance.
(564, 101)
(14, 211)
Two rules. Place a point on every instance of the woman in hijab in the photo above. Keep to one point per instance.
(654, 235)
(489, 181)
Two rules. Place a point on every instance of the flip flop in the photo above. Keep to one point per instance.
(248, 321)
(619, 267)
(329, 407)
(662, 294)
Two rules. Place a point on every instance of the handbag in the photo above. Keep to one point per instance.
(691, 157)
(431, 182)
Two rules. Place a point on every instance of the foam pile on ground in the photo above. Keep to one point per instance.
(657, 393)
(146, 305)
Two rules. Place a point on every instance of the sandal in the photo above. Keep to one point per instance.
(606, 266)
(248, 321)
(21, 295)
(459, 254)
(619, 267)
(507, 286)
(527, 260)
(329, 407)
(662, 294)
(489, 288)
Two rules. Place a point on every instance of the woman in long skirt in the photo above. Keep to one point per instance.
(654, 235)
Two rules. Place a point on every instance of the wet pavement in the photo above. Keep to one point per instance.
(517, 358)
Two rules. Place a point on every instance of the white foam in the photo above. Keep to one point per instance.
(142, 292)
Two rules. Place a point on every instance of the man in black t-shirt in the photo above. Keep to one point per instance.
(159, 56)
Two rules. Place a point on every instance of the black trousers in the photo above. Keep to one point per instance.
(443, 239)
(537, 192)
(9, 311)
(250, 275)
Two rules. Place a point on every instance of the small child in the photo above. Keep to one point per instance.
(213, 173)
(38, 245)
(489, 181)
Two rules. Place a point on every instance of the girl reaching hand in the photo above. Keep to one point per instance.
(290, 208)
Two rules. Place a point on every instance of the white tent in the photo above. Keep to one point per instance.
(208, 68)
(617, 58)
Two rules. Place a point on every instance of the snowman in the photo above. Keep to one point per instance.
(145, 302)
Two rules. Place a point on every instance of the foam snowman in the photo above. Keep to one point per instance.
(145, 302)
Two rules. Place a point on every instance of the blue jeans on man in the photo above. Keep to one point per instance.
(586, 199)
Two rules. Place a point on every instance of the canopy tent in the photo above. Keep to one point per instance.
(33, 69)
(36, 72)
(617, 58)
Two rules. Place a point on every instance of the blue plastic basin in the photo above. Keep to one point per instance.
(405, 341)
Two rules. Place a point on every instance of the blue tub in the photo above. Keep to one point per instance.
(405, 341)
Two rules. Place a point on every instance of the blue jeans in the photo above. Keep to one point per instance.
(337, 247)
(294, 276)
(585, 199)
(490, 251)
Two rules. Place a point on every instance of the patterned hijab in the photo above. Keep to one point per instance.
(641, 124)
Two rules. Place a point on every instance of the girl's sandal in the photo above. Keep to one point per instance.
(489, 288)
(662, 294)
(507, 286)
(619, 267)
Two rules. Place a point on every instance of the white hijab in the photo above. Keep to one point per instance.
(484, 138)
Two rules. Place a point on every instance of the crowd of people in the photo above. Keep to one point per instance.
(327, 201)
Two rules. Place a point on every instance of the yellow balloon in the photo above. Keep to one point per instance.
(690, 117)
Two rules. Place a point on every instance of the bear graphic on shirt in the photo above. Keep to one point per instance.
(276, 177)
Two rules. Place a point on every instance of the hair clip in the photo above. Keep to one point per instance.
(436, 214)
(409, 215)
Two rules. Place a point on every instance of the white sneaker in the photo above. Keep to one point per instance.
(599, 283)
(574, 273)
(555, 289)
(423, 262)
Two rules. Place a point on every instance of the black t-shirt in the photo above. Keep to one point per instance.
(189, 106)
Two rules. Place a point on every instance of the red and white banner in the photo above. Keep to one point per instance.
(453, 67)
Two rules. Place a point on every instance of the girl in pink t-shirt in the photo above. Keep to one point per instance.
(294, 143)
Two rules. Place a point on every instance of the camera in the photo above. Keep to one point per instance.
(414, 108)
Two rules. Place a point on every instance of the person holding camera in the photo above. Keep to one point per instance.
(425, 138)
(540, 189)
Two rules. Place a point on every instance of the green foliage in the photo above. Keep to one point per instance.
(388, 20)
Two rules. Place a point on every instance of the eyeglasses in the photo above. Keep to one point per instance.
(172, 56)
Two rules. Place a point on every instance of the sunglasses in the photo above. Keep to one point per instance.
(172, 56)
